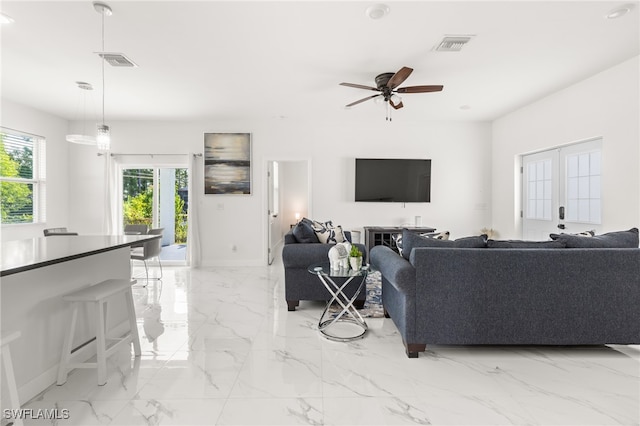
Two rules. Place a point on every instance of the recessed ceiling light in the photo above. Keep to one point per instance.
(377, 11)
(465, 107)
(620, 11)
(5, 19)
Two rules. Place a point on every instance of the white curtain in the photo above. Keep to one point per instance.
(193, 234)
(110, 196)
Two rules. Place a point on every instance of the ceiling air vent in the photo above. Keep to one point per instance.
(453, 43)
(117, 59)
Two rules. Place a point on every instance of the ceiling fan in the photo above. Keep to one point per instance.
(387, 85)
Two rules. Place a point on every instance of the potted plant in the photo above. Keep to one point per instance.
(355, 258)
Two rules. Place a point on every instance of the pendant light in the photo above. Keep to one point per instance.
(103, 135)
(82, 138)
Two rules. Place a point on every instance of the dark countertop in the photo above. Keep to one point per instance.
(23, 255)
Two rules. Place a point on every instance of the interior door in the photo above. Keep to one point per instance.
(561, 190)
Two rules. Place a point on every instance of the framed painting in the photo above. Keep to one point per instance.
(227, 163)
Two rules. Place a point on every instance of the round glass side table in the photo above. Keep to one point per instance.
(348, 314)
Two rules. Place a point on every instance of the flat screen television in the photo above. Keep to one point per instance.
(391, 180)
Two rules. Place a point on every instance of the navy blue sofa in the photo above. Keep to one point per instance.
(511, 296)
(299, 283)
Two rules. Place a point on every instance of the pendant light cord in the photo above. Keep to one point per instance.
(102, 57)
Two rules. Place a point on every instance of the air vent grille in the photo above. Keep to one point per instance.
(117, 59)
(453, 43)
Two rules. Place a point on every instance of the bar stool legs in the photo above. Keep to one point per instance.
(9, 374)
(98, 295)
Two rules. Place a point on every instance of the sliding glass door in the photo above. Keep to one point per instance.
(157, 196)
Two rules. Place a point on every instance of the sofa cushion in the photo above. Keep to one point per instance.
(327, 233)
(619, 239)
(304, 232)
(525, 244)
(411, 240)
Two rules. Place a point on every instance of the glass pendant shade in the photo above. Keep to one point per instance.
(103, 137)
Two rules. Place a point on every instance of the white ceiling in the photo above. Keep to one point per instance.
(239, 60)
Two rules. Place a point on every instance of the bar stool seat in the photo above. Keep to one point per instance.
(9, 375)
(98, 295)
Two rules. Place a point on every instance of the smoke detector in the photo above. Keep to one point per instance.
(453, 43)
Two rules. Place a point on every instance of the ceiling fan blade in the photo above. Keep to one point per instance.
(399, 77)
(419, 89)
(359, 86)
(400, 105)
(362, 100)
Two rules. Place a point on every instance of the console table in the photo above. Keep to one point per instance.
(384, 235)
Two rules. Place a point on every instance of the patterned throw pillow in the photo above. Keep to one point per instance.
(437, 235)
(327, 233)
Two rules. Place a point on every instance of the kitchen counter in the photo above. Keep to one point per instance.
(36, 273)
(23, 255)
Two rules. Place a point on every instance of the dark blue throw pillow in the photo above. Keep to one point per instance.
(411, 240)
(619, 239)
(304, 233)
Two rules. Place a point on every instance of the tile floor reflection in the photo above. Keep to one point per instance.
(220, 348)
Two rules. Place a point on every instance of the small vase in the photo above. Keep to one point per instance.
(356, 263)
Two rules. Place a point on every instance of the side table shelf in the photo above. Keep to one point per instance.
(384, 235)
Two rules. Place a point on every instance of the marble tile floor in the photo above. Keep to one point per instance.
(220, 348)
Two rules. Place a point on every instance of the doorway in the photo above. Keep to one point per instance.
(287, 200)
(561, 190)
(157, 196)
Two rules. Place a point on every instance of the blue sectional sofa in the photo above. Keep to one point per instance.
(523, 293)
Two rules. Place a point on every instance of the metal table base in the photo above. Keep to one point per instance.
(348, 312)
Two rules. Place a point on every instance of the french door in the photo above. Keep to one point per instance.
(561, 190)
(156, 196)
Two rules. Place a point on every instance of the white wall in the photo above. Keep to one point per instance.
(461, 188)
(606, 105)
(294, 191)
(25, 119)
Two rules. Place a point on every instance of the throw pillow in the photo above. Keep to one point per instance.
(327, 233)
(304, 233)
(618, 239)
(525, 244)
(411, 240)
(397, 239)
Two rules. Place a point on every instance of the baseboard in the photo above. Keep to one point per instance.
(231, 263)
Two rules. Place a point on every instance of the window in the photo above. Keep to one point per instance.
(583, 187)
(539, 190)
(22, 177)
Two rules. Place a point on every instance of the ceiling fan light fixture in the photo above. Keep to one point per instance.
(620, 11)
(395, 99)
(377, 11)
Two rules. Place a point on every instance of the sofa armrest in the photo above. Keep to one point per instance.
(394, 268)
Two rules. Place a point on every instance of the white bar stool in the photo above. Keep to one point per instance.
(97, 295)
(9, 374)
